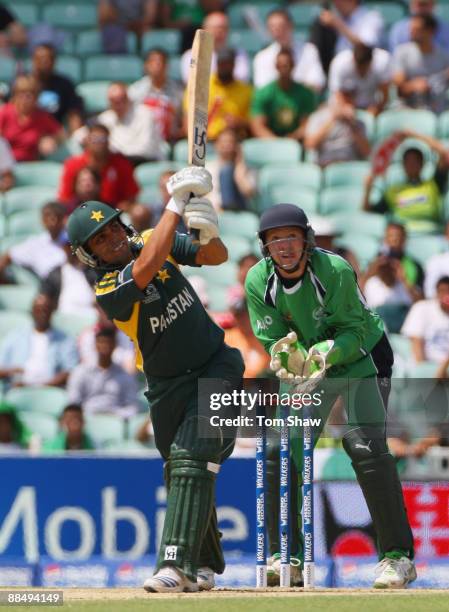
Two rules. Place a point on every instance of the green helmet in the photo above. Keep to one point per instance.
(86, 221)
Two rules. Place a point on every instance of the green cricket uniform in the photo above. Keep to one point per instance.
(326, 304)
(283, 109)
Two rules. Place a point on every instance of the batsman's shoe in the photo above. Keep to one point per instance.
(170, 580)
(274, 571)
(394, 573)
(205, 578)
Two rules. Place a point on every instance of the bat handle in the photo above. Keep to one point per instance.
(195, 233)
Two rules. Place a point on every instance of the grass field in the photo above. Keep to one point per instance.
(134, 600)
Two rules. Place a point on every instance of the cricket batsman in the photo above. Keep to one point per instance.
(142, 290)
(308, 312)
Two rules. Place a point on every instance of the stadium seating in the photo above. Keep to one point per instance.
(304, 13)
(38, 174)
(169, 40)
(20, 275)
(148, 174)
(340, 199)
(95, 95)
(259, 152)
(16, 297)
(7, 69)
(390, 11)
(127, 68)
(390, 121)
(226, 278)
(361, 224)
(244, 224)
(180, 151)
(237, 246)
(237, 12)
(89, 43)
(346, 174)
(42, 425)
(248, 40)
(27, 198)
(422, 247)
(365, 250)
(24, 223)
(72, 16)
(27, 14)
(41, 400)
(401, 346)
(72, 324)
(104, 429)
(11, 320)
(293, 176)
(305, 198)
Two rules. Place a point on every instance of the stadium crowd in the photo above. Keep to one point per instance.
(340, 108)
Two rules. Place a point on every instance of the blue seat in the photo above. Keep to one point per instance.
(340, 200)
(168, 40)
(41, 400)
(127, 68)
(261, 151)
(346, 174)
(27, 198)
(244, 224)
(40, 173)
(390, 121)
(89, 43)
(148, 174)
(296, 176)
(70, 16)
(95, 95)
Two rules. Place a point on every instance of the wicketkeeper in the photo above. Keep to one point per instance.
(142, 290)
(309, 313)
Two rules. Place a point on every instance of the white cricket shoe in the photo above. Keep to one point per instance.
(205, 578)
(394, 573)
(170, 580)
(274, 571)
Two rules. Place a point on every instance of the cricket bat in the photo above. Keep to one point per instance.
(198, 99)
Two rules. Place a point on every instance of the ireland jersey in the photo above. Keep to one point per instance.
(325, 304)
(171, 331)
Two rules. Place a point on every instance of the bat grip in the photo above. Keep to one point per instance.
(195, 233)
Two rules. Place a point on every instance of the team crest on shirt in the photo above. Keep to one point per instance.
(151, 294)
(318, 313)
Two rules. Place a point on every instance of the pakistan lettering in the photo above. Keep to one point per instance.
(177, 305)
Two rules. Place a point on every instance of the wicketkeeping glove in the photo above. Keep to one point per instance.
(199, 214)
(288, 357)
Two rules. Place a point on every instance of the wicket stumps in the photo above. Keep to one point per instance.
(284, 497)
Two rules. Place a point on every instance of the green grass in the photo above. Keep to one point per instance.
(382, 602)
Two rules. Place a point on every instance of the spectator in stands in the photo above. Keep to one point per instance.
(117, 17)
(87, 187)
(334, 133)
(141, 217)
(145, 433)
(233, 182)
(118, 185)
(12, 32)
(71, 436)
(229, 99)
(157, 208)
(282, 107)
(347, 24)
(39, 354)
(367, 71)
(241, 337)
(306, 59)
(161, 93)
(7, 163)
(416, 202)
(421, 68)
(124, 353)
(57, 92)
(400, 31)
(14, 436)
(427, 325)
(105, 387)
(133, 131)
(217, 23)
(237, 292)
(43, 252)
(71, 285)
(393, 281)
(442, 373)
(187, 16)
(30, 131)
(436, 267)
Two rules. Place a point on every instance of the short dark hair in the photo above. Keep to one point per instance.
(243, 259)
(98, 127)
(282, 12)
(397, 224)
(429, 21)
(47, 46)
(72, 408)
(55, 207)
(363, 54)
(158, 51)
(286, 51)
(443, 280)
(415, 151)
(106, 332)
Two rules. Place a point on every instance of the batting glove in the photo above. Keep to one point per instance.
(192, 179)
(199, 214)
(288, 357)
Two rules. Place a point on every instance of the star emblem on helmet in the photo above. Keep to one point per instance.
(163, 275)
(97, 215)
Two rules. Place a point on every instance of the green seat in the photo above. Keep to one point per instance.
(244, 224)
(248, 40)
(70, 67)
(27, 14)
(401, 346)
(218, 301)
(41, 174)
(168, 40)
(12, 320)
(443, 125)
(422, 247)
(25, 223)
(174, 67)
(181, 147)
(72, 16)
(361, 223)
(28, 198)
(296, 177)
(71, 324)
(307, 199)
(391, 11)
(224, 275)
(125, 447)
(425, 369)
(150, 195)
(261, 151)
(304, 14)
(237, 12)
(390, 121)
(41, 400)
(7, 69)
(237, 247)
(127, 68)
(42, 425)
(104, 429)
(20, 275)
(95, 95)
(369, 122)
(89, 43)
(365, 248)
(135, 423)
(16, 297)
(148, 174)
(340, 200)
(338, 467)
(346, 174)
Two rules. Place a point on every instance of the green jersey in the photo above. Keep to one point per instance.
(325, 304)
(171, 331)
